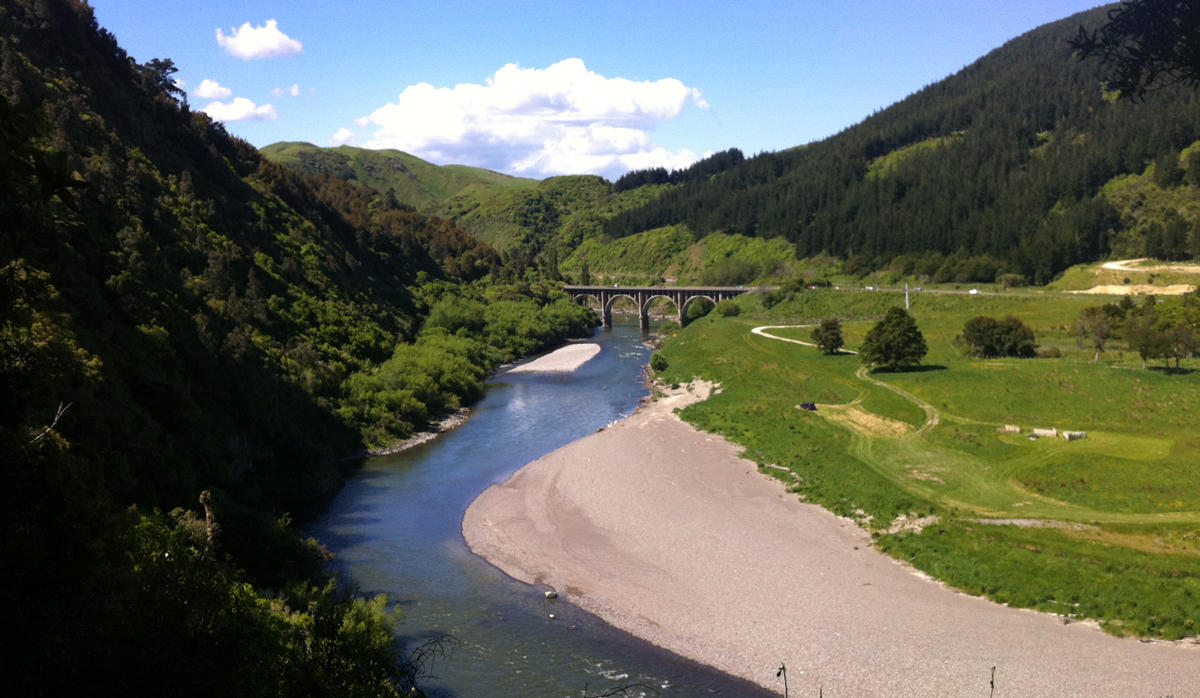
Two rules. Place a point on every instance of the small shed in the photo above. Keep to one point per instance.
(1074, 435)
(1046, 432)
(1008, 429)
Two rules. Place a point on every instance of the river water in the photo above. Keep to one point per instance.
(396, 529)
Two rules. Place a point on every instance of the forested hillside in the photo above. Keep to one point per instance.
(1004, 162)
(178, 316)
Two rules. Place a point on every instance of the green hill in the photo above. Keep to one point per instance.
(417, 183)
(1003, 167)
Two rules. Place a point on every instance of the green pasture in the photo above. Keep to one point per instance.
(1124, 504)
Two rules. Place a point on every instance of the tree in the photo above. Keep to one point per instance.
(1182, 342)
(1175, 236)
(1167, 172)
(828, 335)
(1096, 323)
(585, 275)
(986, 336)
(1146, 338)
(728, 308)
(1148, 44)
(894, 342)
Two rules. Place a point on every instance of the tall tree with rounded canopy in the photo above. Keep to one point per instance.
(894, 342)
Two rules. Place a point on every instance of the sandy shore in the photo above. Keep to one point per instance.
(665, 532)
(564, 359)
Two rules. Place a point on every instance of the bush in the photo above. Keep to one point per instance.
(698, 308)
(728, 308)
(988, 337)
(730, 272)
(669, 327)
(658, 362)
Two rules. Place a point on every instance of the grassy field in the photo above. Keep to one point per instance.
(1118, 514)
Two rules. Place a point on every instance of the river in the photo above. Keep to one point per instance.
(396, 529)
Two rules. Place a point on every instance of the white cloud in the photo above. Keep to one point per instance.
(181, 84)
(248, 43)
(294, 91)
(362, 122)
(240, 109)
(563, 119)
(211, 89)
(341, 137)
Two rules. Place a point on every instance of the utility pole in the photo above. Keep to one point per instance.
(906, 295)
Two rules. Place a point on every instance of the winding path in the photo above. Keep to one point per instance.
(933, 416)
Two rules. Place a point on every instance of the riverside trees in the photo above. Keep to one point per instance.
(894, 342)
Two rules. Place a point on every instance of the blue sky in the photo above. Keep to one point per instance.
(545, 88)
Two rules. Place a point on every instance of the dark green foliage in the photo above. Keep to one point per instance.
(698, 308)
(1018, 189)
(828, 335)
(1145, 336)
(988, 337)
(454, 313)
(730, 272)
(658, 362)
(728, 308)
(1147, 45)
(1192, 177)
(709, 166)
(1167, 173)
(894, 342)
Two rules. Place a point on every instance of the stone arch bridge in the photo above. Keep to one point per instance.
(681, 296)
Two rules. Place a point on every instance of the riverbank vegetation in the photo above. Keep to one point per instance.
(1106, 527)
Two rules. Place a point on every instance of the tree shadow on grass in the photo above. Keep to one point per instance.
(924, 368)
(1172, 371)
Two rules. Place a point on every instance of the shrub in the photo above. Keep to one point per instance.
(728, 308)
(698, 308)
(658, 362)
(987, 337)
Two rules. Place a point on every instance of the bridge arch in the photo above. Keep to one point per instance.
(687, 303)
(612, 299)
